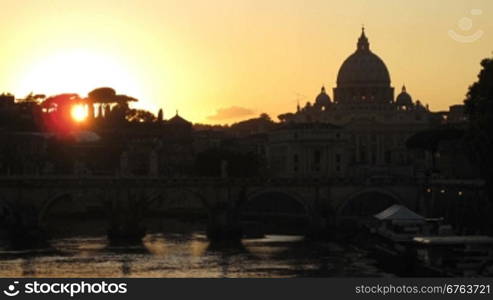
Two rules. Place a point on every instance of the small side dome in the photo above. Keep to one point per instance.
(404, 99)
(177, 120)
(323, 98)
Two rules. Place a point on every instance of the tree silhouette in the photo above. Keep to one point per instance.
(140, 116)
(479, 109)
(160, 115)
(54, 114)
(61, 101)
(57, 112)
(429, 140)
(116, 107)
(265, 116)
(33, 98)
(102, 95)
(100, 111)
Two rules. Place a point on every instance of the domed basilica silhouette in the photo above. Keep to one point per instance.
(362, 130)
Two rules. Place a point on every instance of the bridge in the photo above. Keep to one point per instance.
(128, 199)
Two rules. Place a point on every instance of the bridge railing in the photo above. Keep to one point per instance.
(158, 180)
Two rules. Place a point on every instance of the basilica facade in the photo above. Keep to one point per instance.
(368, 128)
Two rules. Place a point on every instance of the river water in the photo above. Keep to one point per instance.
(189, 255)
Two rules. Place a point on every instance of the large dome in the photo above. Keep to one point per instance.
(363, 68)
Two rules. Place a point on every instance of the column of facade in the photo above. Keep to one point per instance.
(379, 150)
(358, 157)
(330, 161)
(303, 160)
(289, 160)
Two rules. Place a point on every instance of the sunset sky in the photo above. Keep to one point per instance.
(219, 61)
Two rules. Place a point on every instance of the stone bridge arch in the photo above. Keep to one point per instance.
(51, 202)
(293, 195)
(276, 201)
(170, 195)
(69, 200)
(298, 212)
(367, 202)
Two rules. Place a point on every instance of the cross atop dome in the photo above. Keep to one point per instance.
(363, 44)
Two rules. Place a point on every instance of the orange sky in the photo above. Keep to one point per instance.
(219, 61)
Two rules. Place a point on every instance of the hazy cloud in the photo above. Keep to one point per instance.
(232, 112)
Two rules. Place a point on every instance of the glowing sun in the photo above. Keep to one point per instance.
(79, 113)
(78, 71)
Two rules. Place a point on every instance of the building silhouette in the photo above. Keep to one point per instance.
(360, 131)
(365, 126)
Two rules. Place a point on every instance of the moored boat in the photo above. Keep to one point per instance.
(455, 255)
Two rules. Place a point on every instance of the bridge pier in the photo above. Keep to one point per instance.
(317, 228)
(126, 216)
(20, 227)
(224, 224)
